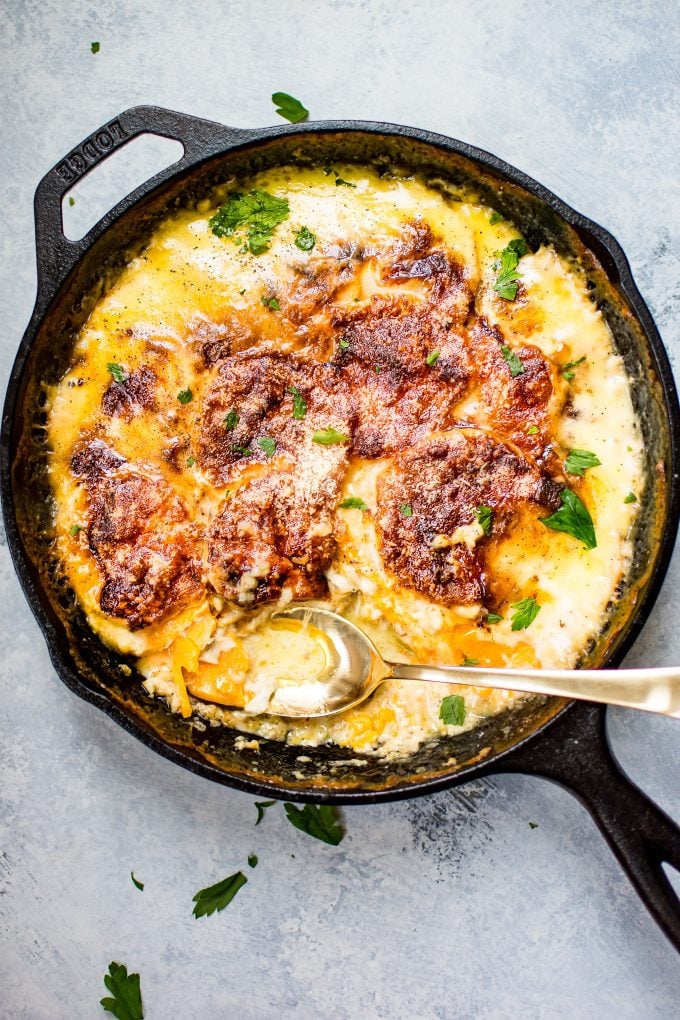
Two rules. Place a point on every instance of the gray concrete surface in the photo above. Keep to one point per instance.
(449, 907)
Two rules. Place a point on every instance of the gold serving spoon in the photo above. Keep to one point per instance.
(354, 669)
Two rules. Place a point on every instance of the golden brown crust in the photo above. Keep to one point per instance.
(137, 392)
(442, 481)
(140, 536)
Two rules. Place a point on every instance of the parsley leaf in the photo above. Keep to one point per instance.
(532, 430)
(135, 881)
(566, 369)
(484, 515)
(321, 822)
(512, 361)
(579, 460)
(289, 107)
(95, 47)
(496, 217)
(185, 396)
(259, 211)
(252, 860)
(470, 662)
(268, 445)
(493, 618)
(230, 420)
(245, 451)
(347, 184)
(343, 343)
(526, 611)
(630, 498)
(353, 503)
(406, 510)
(125, 1001)
(452, 710)
(432, 358)
(533, 825)
(191, 461)
(271, 303)
(573, 518)
(218, 896)
(299, 403)
(75, 528)
(305, 239)
(262, 806)
(329, 436)
(71, 200)
(117, 371)
(506, 280)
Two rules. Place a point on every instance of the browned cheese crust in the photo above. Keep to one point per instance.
(140, 536)
(391, 372)
(443, 481)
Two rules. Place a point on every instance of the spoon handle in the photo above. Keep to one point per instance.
(652, 690)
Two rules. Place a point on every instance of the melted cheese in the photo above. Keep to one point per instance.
(229, 659)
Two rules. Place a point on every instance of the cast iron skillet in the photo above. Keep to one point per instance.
(562, 741)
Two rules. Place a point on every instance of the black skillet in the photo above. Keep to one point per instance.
(563, 741)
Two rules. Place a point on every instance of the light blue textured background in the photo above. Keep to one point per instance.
(450, 906)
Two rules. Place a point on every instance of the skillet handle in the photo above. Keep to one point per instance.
(56, 254)
(576, 754)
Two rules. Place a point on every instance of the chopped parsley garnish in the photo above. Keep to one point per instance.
(630, 498)
(299, 403)
(95, 47)
(329, 436)
(567, 369)
(137, 884)
(512, 361)
(245, 451)
(574, 518)
(71, 200)
(258, 211)
(346, 184)
(532, 430)
(289, 107)
(185, 396)
(343, 343)
(578, 461)
(191, 461)
(262, 806)
(496, 217)
(252, 860)
(321, 822)
(493, 618)
(353, 503)
(117, 371)
(218, 896)
(268, 445)
(406, 510)
(526, 611)
(484, 515)
(329, 171)
(75, 529)
(305, 239)
(230, 420)
(506, 268)
(271, 302)
(470, 662)
(125, 1001)
(432, 358)
(533, 825)
(452, 710)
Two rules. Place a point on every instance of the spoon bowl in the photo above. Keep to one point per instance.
(354, 669)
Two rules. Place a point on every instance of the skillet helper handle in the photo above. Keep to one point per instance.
(56, 254)
(576, 754)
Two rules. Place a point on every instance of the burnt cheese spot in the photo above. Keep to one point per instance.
(140, 536)
(444, 479)
(137, 392)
